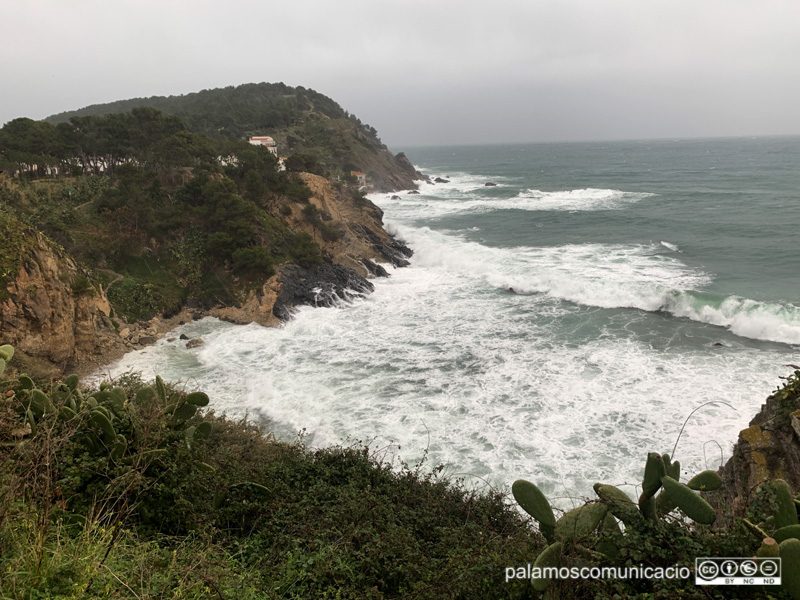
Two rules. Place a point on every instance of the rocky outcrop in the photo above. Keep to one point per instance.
(325, 285)
(255, 308)
(359, 224)
(768, 449)
(51, 311)
(54, 312)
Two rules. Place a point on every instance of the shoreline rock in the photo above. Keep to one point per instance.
(768, 449)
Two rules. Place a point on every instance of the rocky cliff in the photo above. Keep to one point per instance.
(349, 231)
(50, 311)
(768, 449)
(59, 319)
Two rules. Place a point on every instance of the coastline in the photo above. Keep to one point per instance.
(353, 264)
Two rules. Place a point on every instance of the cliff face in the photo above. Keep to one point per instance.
(50, 312)
(350, 234)
(768, 449)
(358, 222)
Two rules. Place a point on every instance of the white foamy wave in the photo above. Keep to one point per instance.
(477, 381)
(449, 199)
(578, 200)
(743, 316)
(602, 275)
(669, 246)
(605, 276)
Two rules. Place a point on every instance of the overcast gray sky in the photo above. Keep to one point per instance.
(435, 72)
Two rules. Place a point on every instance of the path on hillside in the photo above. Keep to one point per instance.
(116, 277)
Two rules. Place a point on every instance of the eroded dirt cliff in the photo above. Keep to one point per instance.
(50, 310)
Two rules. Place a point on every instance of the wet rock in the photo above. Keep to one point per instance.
(440, 180)
(325, 285)
(184, 337)
(393, 251)
(375, 269)
(194, 343)
(490, 184)
(413, 192)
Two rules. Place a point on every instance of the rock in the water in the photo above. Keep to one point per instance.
(194, 343)
(413, 192)
(393, 251)
(375, 269)
(325, 285)
(440, 180)
(395, 197)
(490, 184)
(184, 337)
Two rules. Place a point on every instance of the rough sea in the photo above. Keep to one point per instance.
(555, 327)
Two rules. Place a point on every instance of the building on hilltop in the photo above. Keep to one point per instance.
(266, 141)
(361, 177)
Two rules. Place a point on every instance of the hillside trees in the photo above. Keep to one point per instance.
(145, 136)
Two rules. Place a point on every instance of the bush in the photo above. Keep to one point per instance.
(134, 299)
(81, 285)
(233, 512)
(305, 251)
(253, 262)
(298, 192)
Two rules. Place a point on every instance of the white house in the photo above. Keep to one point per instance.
(266, 141)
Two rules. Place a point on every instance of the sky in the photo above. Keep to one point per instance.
(433, 72)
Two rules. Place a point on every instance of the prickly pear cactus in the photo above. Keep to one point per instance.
(695, 507)
(534, 502)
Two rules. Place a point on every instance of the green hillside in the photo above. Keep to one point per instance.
(301, 121)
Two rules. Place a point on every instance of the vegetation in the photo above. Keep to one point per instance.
(313, 131)
(136, 491)
(153, 207)
(671, 524)
(164, 199)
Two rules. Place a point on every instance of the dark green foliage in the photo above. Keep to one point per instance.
(254, 263)
(303, 163)
(81, 285)
(298, 192)
(135, 300)
(12, 235)
(305, 251)
(279, 520)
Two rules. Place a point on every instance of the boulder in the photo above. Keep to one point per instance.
(194, 343)
(490, 184)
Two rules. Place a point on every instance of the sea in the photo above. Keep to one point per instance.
(600, 301)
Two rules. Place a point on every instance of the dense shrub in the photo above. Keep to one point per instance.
(236, 514)
(305, 251)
